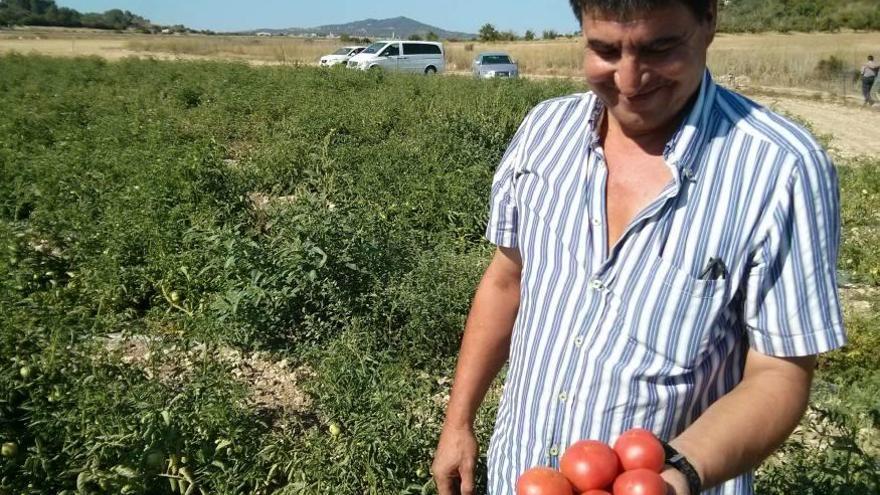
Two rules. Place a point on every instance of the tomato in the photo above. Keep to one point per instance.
(596, 492)
(639, 482)
(640, 449)
(543, 481)
(9, 449)
(589, 464)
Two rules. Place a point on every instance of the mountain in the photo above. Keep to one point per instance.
(397, 27)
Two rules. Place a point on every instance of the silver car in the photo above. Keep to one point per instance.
(495, 64)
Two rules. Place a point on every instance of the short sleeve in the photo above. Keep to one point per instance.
(503, 223)
(792, 306)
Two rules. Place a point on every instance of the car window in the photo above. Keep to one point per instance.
(341, 51)
(393, 50)
(496, 59)
(420, 49)
(374, 48)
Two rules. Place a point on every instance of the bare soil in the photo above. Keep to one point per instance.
(854, 129)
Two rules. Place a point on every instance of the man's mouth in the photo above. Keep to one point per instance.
(643, 96)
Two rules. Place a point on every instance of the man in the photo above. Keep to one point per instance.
(666, 260)
(869, 75)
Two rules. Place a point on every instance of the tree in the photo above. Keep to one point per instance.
(415, 37)
(529, 36)
(432, 36)
(488, 33)
(549, 34)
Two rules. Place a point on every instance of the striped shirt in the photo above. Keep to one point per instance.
(639, 335)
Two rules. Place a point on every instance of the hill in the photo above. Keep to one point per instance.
(397, 27)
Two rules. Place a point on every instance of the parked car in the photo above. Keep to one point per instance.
(495, 64)
(341, 56)
(423, 57)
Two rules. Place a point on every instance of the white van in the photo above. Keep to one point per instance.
(423, 57)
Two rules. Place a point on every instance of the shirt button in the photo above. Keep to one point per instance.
(597, 284)
(597, 222)
(688, 174)
(563, 396)
(579, 341)
(554, 450)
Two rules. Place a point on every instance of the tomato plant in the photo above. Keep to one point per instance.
(542, 481)
(639, 482)
(589, 464)
(638, 448)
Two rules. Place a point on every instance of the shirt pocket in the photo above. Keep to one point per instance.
(672, 315)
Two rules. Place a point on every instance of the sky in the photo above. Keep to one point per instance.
(453, 15)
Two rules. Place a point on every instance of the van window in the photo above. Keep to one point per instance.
(420, 49)
(374, 48)
(393, 50)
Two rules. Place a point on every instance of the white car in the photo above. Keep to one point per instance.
(340, 56)
(423, 57)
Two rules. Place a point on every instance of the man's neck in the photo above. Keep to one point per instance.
(651, 141)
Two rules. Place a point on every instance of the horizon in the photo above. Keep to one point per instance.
(229, 16)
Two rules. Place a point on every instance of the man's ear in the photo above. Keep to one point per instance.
(711, 19)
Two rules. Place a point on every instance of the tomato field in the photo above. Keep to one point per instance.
(217, 278)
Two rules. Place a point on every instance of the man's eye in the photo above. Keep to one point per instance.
(657, 51)
(605, 52)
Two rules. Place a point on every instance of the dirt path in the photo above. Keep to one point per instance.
(854, 130)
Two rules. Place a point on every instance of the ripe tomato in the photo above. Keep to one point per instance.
(640, 449)
(542, 481)
(596, 492)
(639, 482)
(589, 464)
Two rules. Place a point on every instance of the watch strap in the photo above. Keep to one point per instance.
(675, 459)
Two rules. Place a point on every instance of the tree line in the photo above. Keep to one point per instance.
(47, 13)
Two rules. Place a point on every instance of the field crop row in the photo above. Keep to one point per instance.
(227, 279)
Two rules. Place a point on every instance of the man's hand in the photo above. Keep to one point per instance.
(676, 482)
(454, 461)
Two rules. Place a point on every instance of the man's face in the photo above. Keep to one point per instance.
(647, 67)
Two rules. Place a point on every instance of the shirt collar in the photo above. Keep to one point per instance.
(681, 150)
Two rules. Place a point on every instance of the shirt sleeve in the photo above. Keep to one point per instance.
(792, 306)
(503, 225)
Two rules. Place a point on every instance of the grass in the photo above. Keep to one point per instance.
(232, 220)
(275, 49)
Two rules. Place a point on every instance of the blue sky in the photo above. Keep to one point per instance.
(454, 15)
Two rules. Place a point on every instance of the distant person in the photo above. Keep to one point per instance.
(869, 75)
(666, 253)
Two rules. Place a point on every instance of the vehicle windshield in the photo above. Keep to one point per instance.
(495, 59)
(374, 48)
(341, 51)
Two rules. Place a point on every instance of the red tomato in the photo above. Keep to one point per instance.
(639, 482)
(543, 481)
(596, 492)
(589, 465)
(640, 449)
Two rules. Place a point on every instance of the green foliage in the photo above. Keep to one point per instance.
(46, 13)
(488, 33)
(246, 208)
(305, 213)
(798, 15)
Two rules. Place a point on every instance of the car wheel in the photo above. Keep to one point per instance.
(430, 70)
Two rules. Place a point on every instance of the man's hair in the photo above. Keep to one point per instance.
(870, 57)
(624, 9)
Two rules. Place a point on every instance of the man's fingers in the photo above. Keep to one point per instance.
(446, 485)
(466, 470)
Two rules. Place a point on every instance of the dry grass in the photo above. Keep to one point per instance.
(781, 60)
(275, 49)
(557, 57)
(767, 59)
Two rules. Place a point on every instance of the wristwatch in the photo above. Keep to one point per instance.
(680, 462)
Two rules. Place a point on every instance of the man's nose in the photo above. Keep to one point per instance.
(629, 76)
